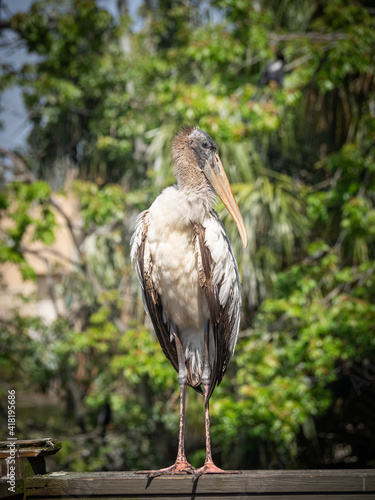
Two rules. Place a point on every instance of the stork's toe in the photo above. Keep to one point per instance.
(210, 468)
(179, 467)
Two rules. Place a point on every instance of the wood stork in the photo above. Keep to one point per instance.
(189, 277)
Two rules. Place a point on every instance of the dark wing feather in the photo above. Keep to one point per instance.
(224, 307)
(150, 296)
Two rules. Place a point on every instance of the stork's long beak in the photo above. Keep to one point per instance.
(216, 175)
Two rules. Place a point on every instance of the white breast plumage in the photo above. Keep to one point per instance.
(174, 262)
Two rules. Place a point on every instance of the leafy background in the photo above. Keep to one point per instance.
(105, 96)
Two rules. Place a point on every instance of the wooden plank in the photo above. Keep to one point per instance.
(31, 447)
(6, 493)
(245, 496)
(260, 484)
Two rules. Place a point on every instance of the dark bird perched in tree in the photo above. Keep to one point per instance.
(189, 277)
(274, 71)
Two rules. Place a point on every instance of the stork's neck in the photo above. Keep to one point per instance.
(192, 182)
(197, 191)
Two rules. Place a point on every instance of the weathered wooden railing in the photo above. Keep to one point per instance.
(29, 480)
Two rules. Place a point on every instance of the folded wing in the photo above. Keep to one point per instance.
(140, 255)
(218, 276)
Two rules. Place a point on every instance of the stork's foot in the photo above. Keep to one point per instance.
(210, 468)
(179, 467)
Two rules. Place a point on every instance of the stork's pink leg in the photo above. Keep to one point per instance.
(181, 465)
(209, 467)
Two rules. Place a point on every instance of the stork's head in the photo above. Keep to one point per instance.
(196, 163)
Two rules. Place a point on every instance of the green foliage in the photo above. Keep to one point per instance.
(25, 206)
(100, 206)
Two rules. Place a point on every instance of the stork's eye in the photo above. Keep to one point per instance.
(205, 145)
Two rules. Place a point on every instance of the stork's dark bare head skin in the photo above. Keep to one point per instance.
(189, 154)
(198, 169)
(203, 146)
